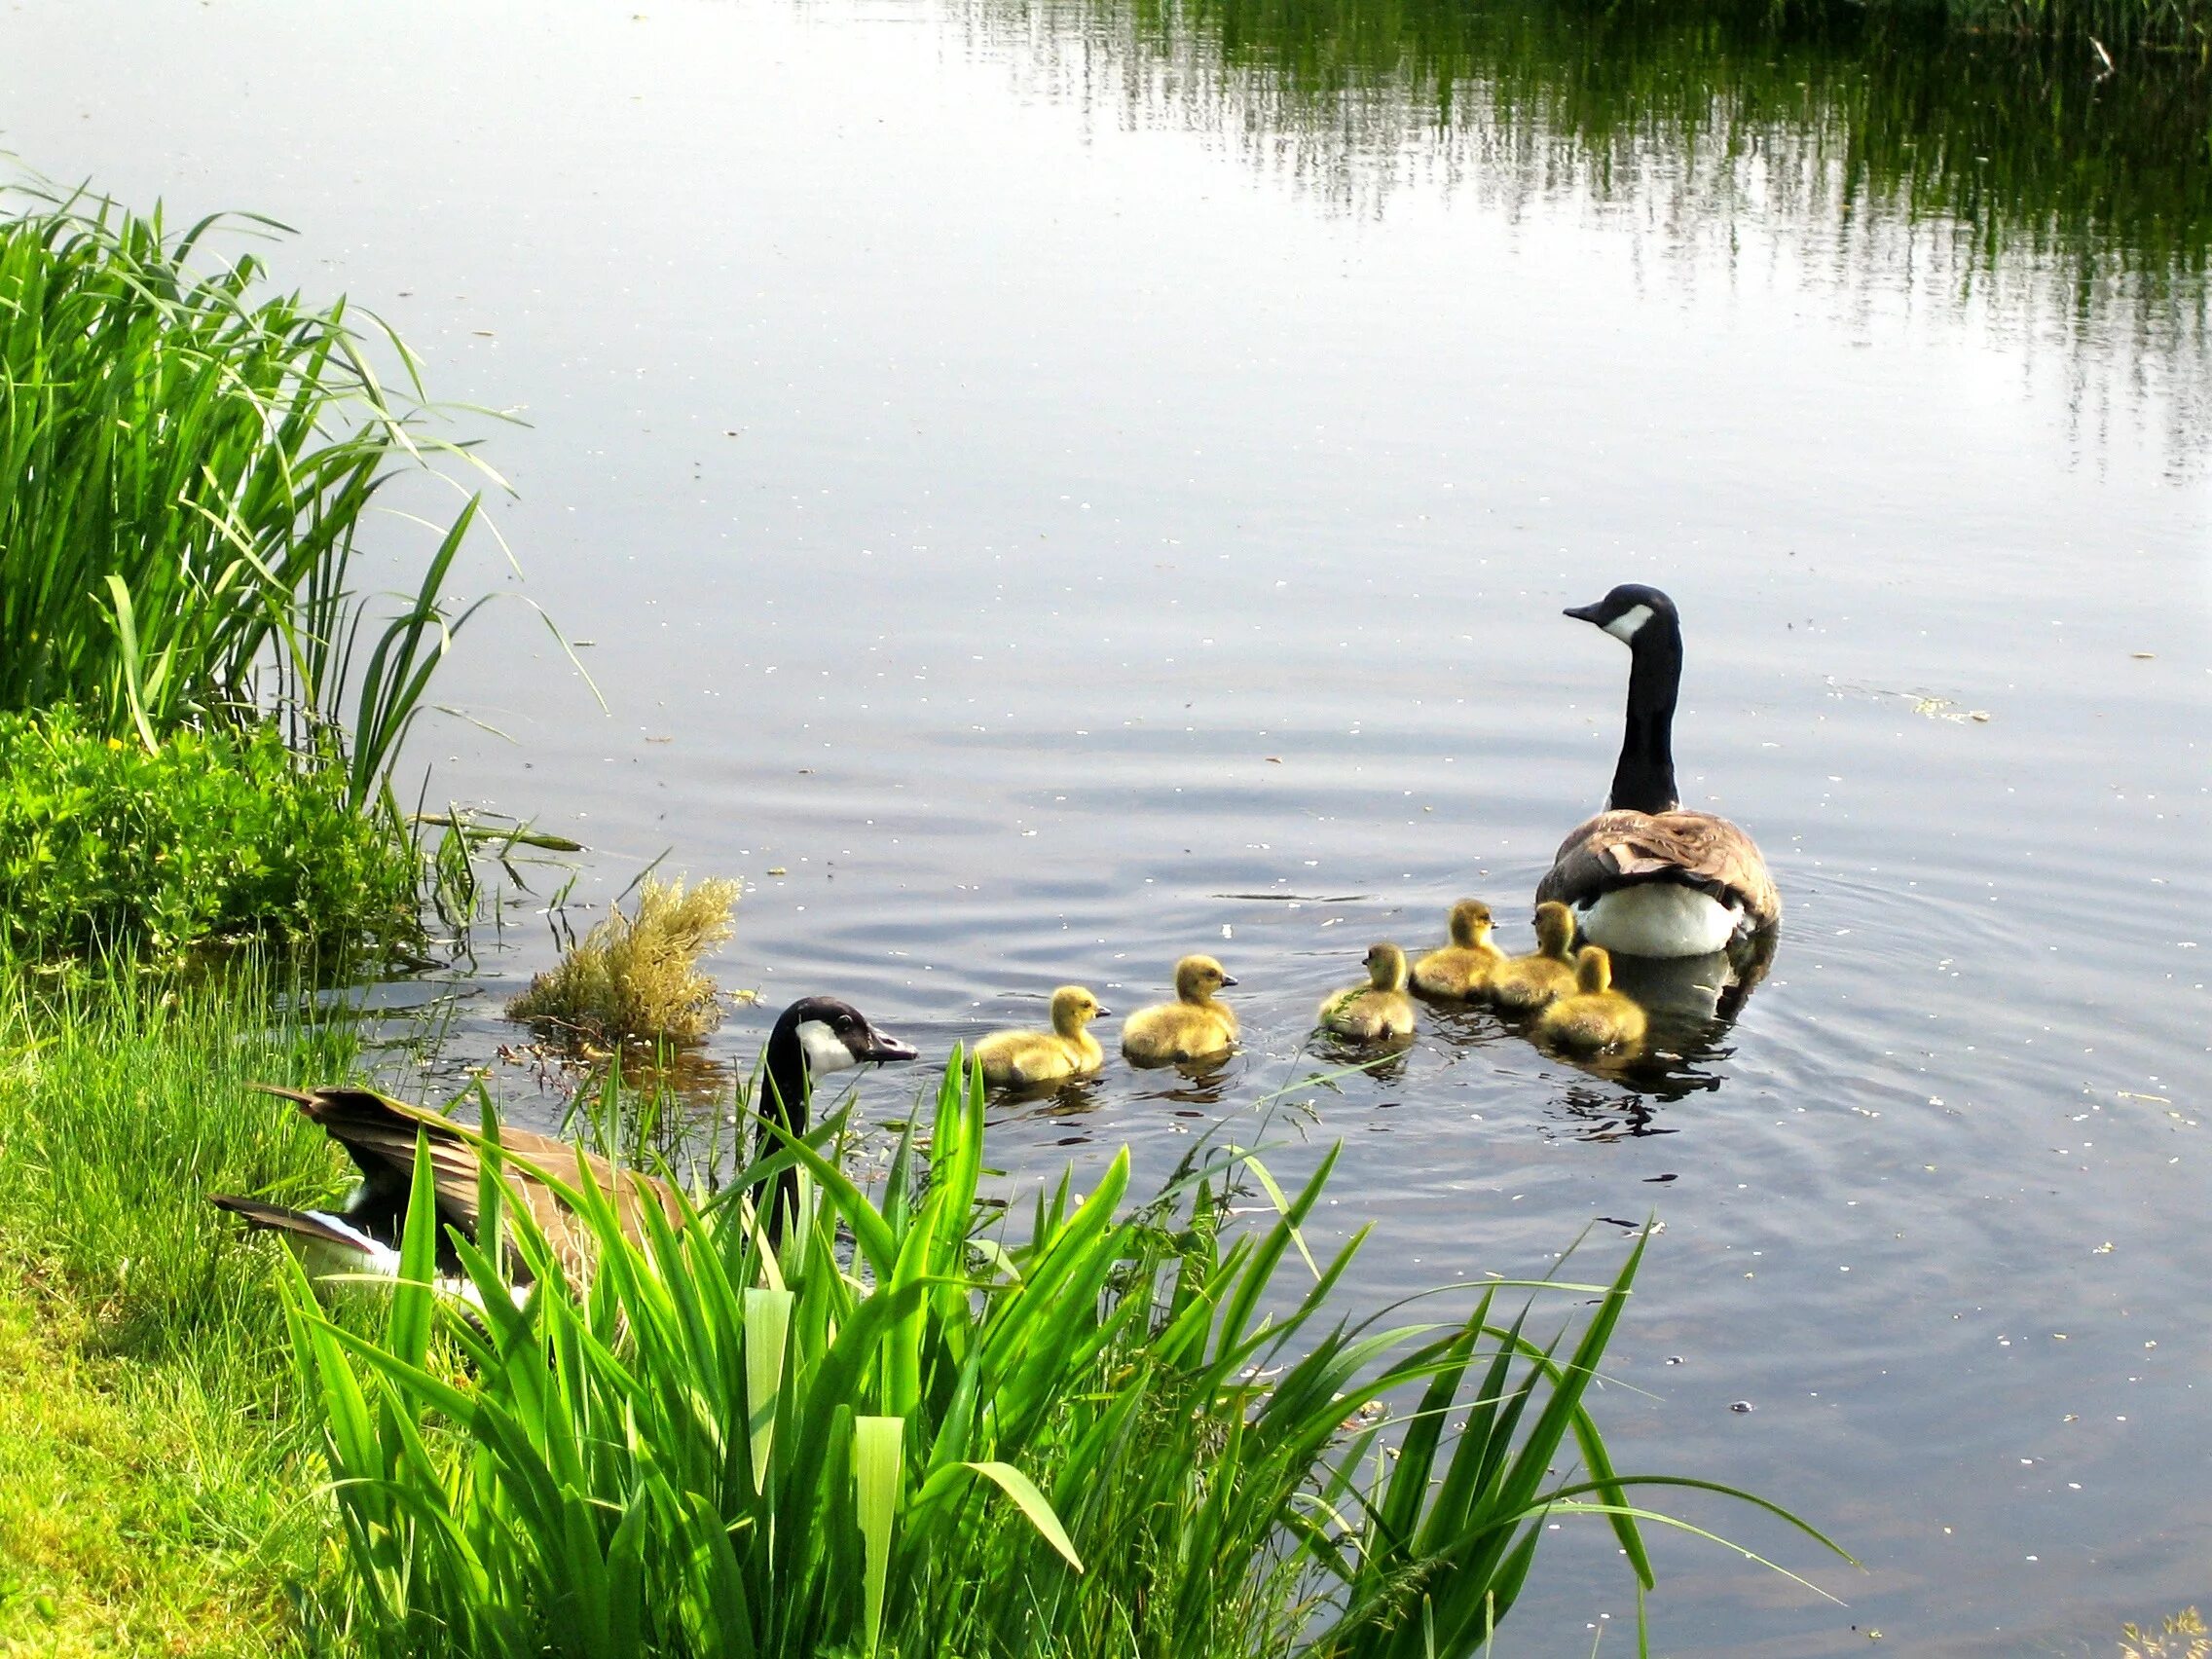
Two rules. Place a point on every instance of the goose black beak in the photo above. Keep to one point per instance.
(1228, 979)
(1586, 613)
(1104, 1013)
(884, 1049)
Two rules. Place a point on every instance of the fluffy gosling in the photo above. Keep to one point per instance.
(1462, 970)
(1041, 1057)
(1193, 1028)
(1526, 983)
(1596, 1016)
(1378, 1009)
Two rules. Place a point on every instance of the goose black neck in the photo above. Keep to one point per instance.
(783, 1101)
(1644, 781)
(784, 1077)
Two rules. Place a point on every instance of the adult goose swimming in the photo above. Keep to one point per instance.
(1645, 877)
(814, 1035)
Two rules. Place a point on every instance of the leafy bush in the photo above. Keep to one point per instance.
(914, 1428)
(637, 976)
(213, 836)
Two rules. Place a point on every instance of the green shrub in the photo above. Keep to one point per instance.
(919, 1427)
(213, 836)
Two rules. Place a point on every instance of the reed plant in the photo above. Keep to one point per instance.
(915, 1424)
(187, 463)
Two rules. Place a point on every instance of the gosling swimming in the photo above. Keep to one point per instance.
(1041, 1057)
(1378, 1009)
(1526, 983)
(1462, 968)
(1596, 1016)
(1193, 1028)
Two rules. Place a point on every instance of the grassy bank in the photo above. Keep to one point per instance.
(155, 1492)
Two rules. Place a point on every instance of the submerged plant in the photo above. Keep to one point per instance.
(636, 976)
(915, 1426)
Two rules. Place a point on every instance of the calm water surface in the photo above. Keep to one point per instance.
(1061, 488)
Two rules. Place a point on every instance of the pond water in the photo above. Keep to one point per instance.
(1051, 487)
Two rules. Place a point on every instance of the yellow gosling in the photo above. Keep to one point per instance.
(1378, 1009)
(1596, 1016)
(1526, 983)
(1040, 1056)
(1461, 968)
(1193, 1028)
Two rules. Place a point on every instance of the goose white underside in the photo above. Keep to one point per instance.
(1660, 918)
(361, 1257)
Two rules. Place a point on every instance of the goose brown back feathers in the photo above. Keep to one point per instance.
(1621, 848)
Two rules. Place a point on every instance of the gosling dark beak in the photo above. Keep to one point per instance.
(884, 1049)
(1228, 979)
(1104, 1013)
(1591, 613)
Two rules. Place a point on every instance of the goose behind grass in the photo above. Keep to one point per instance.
(1196, 1026)
(637, 976)
(814, 1036)
(1462, 968)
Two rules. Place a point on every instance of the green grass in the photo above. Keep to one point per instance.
(186, 465)
(1090, 1429)
(154, 1476)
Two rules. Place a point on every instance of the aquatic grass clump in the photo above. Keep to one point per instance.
(186, 462)
(214, 837)
(636, 976)
(919, 1427)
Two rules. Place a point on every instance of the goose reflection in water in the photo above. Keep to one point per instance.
(1693, 1003)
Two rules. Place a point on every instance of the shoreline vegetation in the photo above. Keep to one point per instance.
(200, 703)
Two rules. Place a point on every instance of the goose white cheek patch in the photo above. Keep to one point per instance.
(1628, 623)
(826, 1050)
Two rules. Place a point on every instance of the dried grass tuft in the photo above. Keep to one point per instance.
(637, 976)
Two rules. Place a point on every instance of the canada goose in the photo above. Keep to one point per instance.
(814, 1035)
(1040, 1056)
(1462, 968)
(1378, 1009)
(1527, 982)
(1193, 1028)
(1596, 1016)
(1645, 877)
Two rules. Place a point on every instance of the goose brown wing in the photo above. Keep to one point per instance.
(1619, 849)
(379, 1134)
